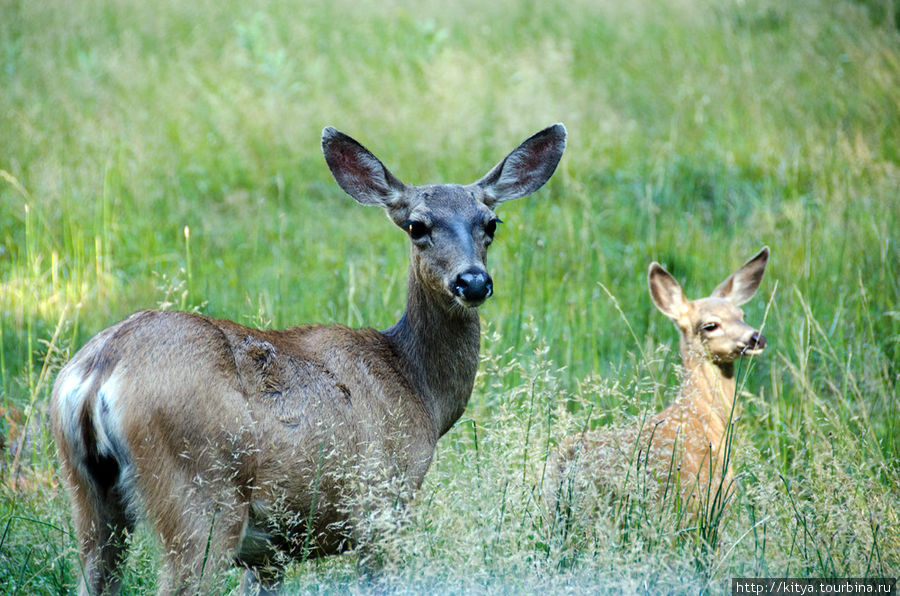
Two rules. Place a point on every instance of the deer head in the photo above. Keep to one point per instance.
(450, 226)
(714, 325)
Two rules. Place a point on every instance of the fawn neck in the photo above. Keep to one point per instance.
(439, 342)
(707, 381)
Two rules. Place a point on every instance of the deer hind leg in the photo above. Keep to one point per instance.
(199, 528)
(103, 525)
(197, 501)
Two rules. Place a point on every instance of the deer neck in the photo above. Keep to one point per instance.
(706, 382)
(438, 341)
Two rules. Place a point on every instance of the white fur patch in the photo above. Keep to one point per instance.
(71, 391)
(70, 399)
(106, 418)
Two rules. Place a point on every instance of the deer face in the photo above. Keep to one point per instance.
(713, 325)
(450, 231)
(450, 226)
(718, 326)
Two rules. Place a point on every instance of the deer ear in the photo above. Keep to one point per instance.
(358, 172)
(665, 292)
(741, 285)
(526, 169)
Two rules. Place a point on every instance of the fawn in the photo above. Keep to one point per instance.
(682, 449)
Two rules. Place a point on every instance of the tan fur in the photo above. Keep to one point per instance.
(250, 446)
(680, 450)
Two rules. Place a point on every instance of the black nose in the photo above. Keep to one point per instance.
(474, 285)
(757, 341)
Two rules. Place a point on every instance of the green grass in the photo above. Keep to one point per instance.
(697, 133)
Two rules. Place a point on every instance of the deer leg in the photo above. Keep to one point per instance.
(199, 519)
(262, 581)
(102, 525)
(200, 537)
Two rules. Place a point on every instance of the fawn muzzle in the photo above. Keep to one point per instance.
(755, 344)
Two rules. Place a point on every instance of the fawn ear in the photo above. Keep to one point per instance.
(665, 292)
(741, 285)
(358, 172)
(526, 169)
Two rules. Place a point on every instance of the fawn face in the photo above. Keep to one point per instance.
(714, 325)
(717, 324)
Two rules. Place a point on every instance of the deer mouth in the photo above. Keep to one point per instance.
(469, 302)
(755, 346)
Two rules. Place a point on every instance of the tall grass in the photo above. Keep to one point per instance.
(166, 154)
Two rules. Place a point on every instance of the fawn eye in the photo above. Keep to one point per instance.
(416, 229)
(712, 326)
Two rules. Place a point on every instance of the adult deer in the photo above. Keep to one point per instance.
(681, 451)
(245, 445)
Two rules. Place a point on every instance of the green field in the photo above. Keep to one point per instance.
(166, 154)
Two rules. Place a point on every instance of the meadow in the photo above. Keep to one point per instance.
(166, 155)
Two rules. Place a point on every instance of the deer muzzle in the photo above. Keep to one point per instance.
(755, 345)
(473, 286)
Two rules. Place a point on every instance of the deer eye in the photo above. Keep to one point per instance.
(416, 229)
(711, 326)
(490, 227)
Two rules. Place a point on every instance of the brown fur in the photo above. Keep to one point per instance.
(680, 450)
(245, 445)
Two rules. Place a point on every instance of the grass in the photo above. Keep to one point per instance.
(168, 154)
